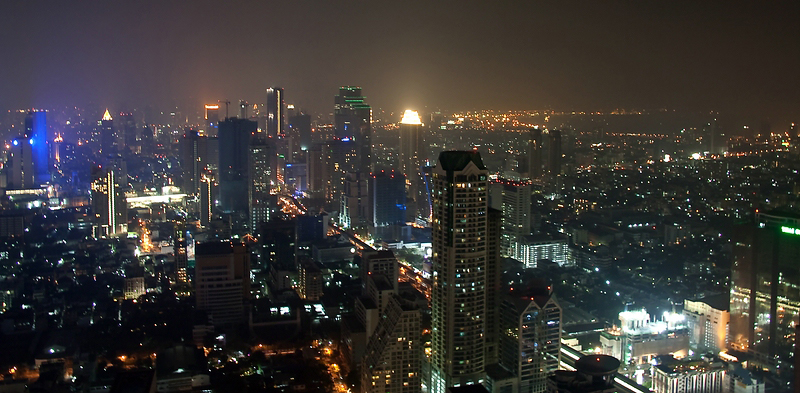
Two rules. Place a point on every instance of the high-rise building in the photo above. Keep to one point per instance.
(207, 192)
(234, 142)
(459, 237)
(340, 157)
(353, 121)
(222, 280)
(310, 278)
(300, 129)
(413, 158)
(127, 131)
(530, 343)
(515, 202)
(37, 135)
(211, 124)
(764, 298)
(20, 169)
(707, 320)
(494, 273)
(535, 153)
(261, 179)
(355, 210)
(554, 152)
(393, 360)
(106, 131)
(388, 191)
(192, 160)
(674, 376)
(108, 203)
(180, 252)
(275, 113)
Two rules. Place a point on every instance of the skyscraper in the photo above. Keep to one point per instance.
(764, 282)
(535, 153)
(300, 129)
(106, 131)
(412, 161)
(355, 209)
(260, 168)
(458, 304)
(36, 133)
(554, 152)
(275, 113)
(211, 120)
(353, 121)
(222, 280)
(388, 199)
(234, 142)
(108, 203)
(515, 202)
(20, 169)
(192, 163)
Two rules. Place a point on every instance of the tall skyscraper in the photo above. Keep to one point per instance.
(535, 153)
(459, 237)
(108, 203)
(388, 199)
(127, 130)
(275, 113)
(261, 174)
(300, 129)
(355, 209)
(107, 136)
(211, 120)
(353, 121)
(37, 135)
(530, 343)
(234, 142)
(554, 152)
(413, 158)
(515, 202)
(222, 280)
(192, 161)
(764, 282)
(20, 169)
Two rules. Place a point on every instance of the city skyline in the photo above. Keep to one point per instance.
(738, 60)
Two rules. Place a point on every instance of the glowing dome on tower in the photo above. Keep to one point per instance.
(411, 117)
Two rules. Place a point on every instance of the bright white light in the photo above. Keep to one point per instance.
(411, 117)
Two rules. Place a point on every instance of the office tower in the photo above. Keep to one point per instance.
(388, 191)
(261, 179)
(514, 199)
(147, 142)
(355, 210)
(413, 157)
(234, 142)
(191, 161)
(118, 164)
(207, 192)
(275, 112)
(106, 133)
(317, 170)
(530, 339)
(353, 121)
(554, 152)
(37, 135)
(341, 157)
(222, 280)
(381, 262)
(127, 130)
(535, 153)
(243, 109)
(459, 237)
(108, 203)
(180, 254)
(763, 278)
(707, 320)
(300, 129)
(21, 171)
(393, 361)
(134, 283)
(494, 273)
(211, 124)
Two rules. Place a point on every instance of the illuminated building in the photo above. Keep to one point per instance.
(494, 287)
(192, 146)
(353, 121)
(765, 302)
(458, 304)
(388, 197)
(707, 320)
(261, 174)
(180, 252)
(393, 360)
(689, 376)
(412, 160)
(106, 133)
(211, 120)
(127, 131)
(275, 113)
(37, 135)
(222, 280)
(311, 281)
(108, 203)
(21, 172)
(134, 284)
(530, 339)
(535, 153)
(535, 248)
(234, 142)
(515, 203)
(638, 339)
(340, 157)
(300, 129)
(207, 192)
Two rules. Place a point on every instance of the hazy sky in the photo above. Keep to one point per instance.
(699, 55)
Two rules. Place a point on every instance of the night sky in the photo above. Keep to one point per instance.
(732, 57)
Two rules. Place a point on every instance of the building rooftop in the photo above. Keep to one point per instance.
(456, 160)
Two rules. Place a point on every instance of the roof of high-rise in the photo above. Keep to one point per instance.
(457, 160)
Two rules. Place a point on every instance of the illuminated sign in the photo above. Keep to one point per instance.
(793, 231)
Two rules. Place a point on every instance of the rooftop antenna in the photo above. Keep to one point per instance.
(227, 102)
